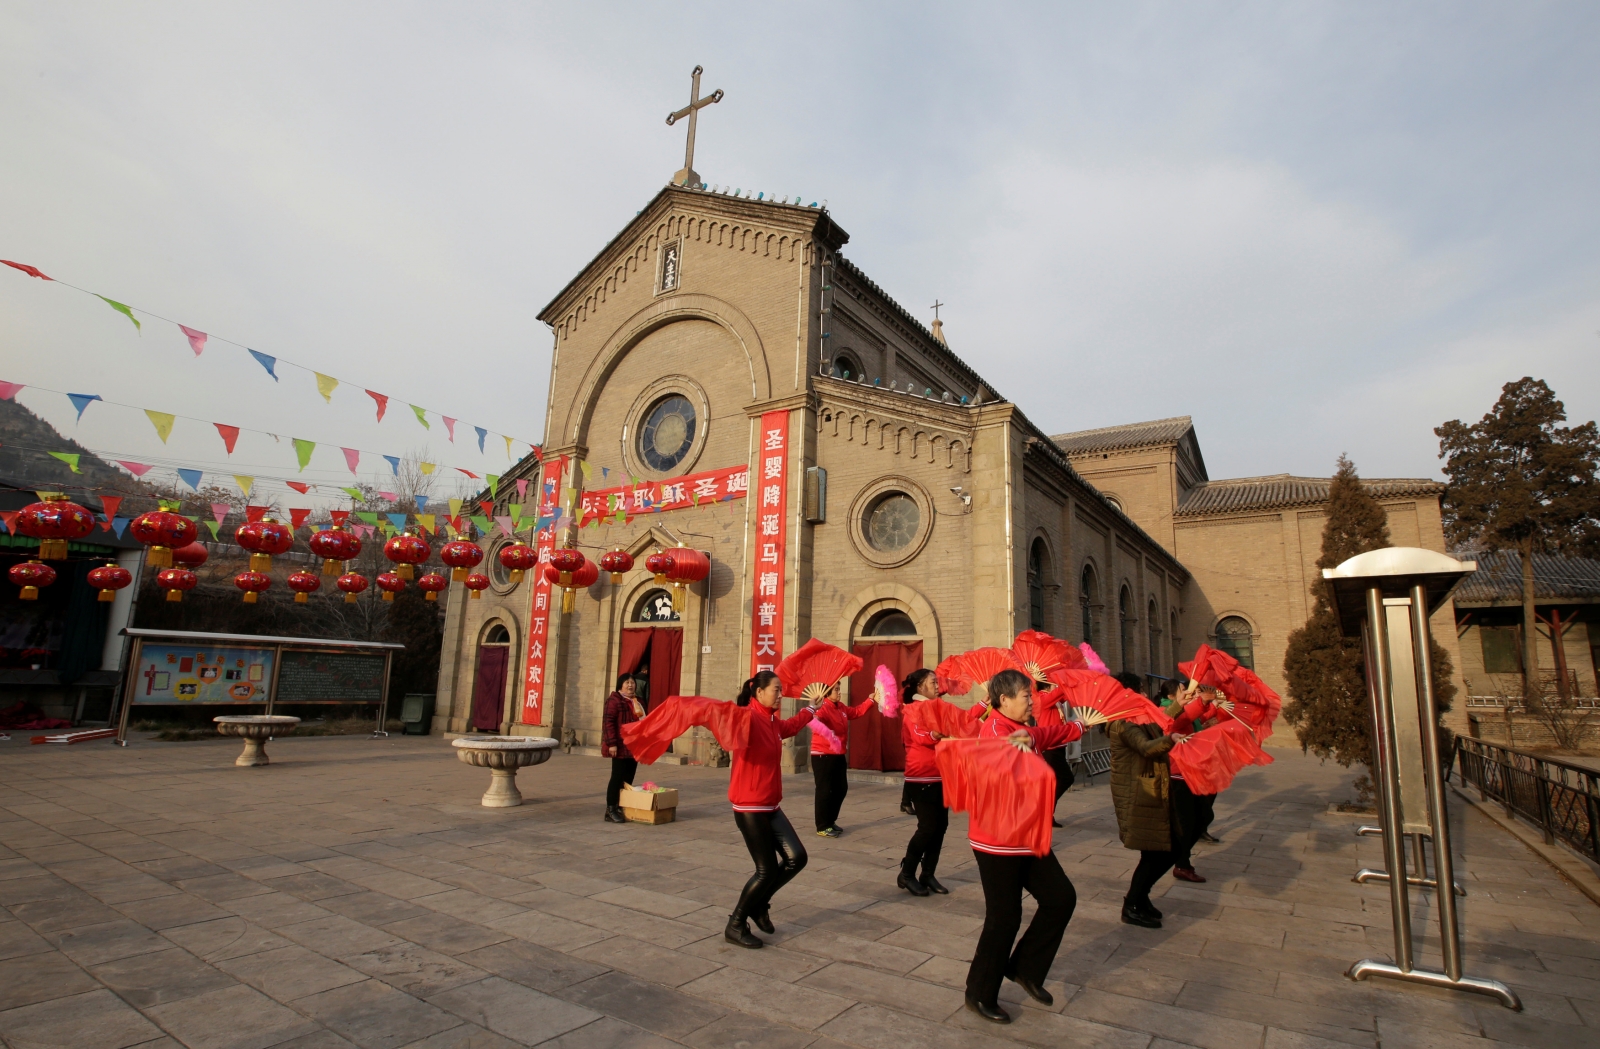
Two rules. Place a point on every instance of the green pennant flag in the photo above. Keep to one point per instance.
(303, 450)
(482, 523)
(622, 514)
(516, 513)
(213, 526)
(70, 458)
(494, 485)
(422, 416)
(354, 493)
(367, 517)
(120, 308)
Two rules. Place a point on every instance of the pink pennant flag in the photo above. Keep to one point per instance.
(197, 339)
(450, 424)
(505, 524)
(352, 456)
(383, 403)
(220, 511)
(137, 469)
(9, 390)
(522, 490)
(391, 496)
(297, 517)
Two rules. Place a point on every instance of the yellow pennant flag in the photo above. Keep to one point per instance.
(244, 483)
(588, 472)
(455, 507)
(163, 423)
(426, 468)
(326, 384)
(508, 447)
(425, 521)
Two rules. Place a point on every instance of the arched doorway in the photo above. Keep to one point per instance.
(887, 637)
(652, 647)
(1088, 598)
(489, 682)
(1039, 579)
(1127, 620)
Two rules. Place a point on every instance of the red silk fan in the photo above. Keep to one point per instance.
(981, 664)
(1045, 657)
(1098, 698)
(648, 739)
(952, 677)
(1256, 704)
(1209, 759)
(812, 670)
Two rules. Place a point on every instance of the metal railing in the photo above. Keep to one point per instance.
(1561, 799)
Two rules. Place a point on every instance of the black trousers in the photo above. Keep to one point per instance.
(1057, 760)
(933, 819)
(779, 856)
(832, 773)
(1192, 814)
(1004, 879)
(1152, 865)
(622, 771)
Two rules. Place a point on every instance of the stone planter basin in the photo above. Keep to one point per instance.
(503, 756)
(256, 729)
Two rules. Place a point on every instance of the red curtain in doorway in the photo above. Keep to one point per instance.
(875, 741)
(666, 664)
(635, 646)
(489, 687)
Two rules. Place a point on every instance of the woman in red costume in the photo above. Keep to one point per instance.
(749, 729)
(925, 720)
(828, 761)
(1193, 812)
(1007, 867)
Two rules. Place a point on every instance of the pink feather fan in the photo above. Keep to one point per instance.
(1092, 658)
(886, 690)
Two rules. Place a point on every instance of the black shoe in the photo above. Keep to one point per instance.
(1150, 909)
(931, 883)
(764, 922)
(1055, 822)
(738, 934)
(992, 1013)
(911, 885)
(1132, 915)
(1209, 840)
(1035, 991)
(905, 807)
(614, 815)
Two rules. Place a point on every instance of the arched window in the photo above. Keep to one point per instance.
(1233, 637)
(845, 367)
(1154, 619)
(1127, 620)
(655, 607)
(1038, 577)
(497, 635)
(1088, 594)
(891, 622)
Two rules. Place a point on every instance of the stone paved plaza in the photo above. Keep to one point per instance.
(355, 893)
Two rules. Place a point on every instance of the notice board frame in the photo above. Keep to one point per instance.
(278, 645)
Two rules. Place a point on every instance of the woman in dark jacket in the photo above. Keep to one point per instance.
(1141, 792)
(622, 708)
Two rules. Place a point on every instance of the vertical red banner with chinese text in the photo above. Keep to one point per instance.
(769, 492)
(533, 674)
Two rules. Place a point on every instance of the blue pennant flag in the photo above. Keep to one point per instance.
(394, 463)
(398, 520)
(118, 524)
(190, 478)
(266, 362)
(482, 433)
(81, 401)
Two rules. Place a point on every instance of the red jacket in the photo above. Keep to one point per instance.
(837, 717)
(1045, 737)
(756, 784)
(1008, 795)
(620, 711)
(919, 721)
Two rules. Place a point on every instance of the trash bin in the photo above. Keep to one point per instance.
(416, 713)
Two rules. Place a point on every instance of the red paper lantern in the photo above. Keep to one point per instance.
(31, 575)
(685, 566)
(616, 562)
(477, 582)
(175, 581)
(252, 583)
(352, 585)
(566, 561)
(108, 579)
(263, 538)
(303, 583)
(658, 564)
(584, 575)
(192, 556)
(335, 546)
(391, 583)
(406, 550)
(55, 523)
(460, 555)
(518, 557)
(431, 584)
(163, 531)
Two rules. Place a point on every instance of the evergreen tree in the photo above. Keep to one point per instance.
(1327, 702)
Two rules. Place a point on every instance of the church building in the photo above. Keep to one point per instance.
(725, 379)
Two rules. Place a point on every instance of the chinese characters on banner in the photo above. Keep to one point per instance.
(769, 480)
(533, 679)
(711, 486)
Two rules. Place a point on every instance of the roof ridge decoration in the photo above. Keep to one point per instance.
(1127, 435)
(1238, 494)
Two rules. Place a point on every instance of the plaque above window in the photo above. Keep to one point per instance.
(671, 259)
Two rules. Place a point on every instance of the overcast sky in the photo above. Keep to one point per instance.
(1314, 227)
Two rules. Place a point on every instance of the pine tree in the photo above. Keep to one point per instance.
(1327, 703)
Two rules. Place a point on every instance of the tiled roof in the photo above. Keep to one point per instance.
(1499, 577)
(1279, 490)
(1130, 435)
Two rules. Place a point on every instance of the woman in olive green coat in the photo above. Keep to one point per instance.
(1140, 790)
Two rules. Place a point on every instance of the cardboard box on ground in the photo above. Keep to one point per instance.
(649, 806)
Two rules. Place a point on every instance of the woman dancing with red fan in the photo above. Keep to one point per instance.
(925, 719)
(813, 673)
(750, 730)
